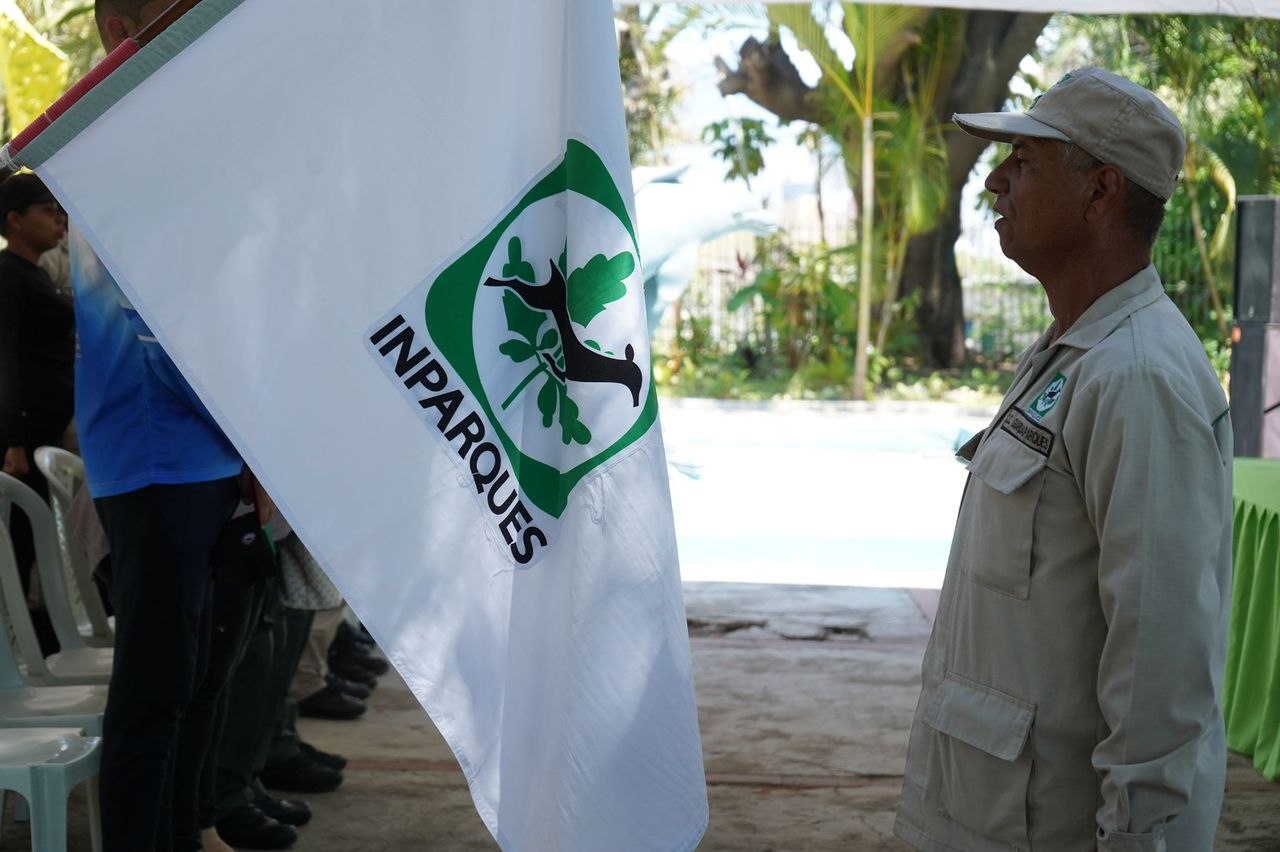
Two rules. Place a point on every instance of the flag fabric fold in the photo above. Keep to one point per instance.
(394, 252)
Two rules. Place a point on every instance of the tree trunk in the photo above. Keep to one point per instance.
(930, 268)
(995, 43)
(993, 46)
(864, 268)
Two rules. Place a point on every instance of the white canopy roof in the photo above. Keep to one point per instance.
(1236, 8)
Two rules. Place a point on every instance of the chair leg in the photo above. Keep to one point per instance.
(49, 813)
(95, 815)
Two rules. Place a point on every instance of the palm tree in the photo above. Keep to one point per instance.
(649, 93)
(975, 63)
(855, 99)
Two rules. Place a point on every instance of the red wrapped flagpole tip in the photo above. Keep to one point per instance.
(123, 52)
(99, 73)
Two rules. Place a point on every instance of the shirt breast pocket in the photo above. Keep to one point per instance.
(999, 514)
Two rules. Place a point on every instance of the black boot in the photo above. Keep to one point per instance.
(246, 827)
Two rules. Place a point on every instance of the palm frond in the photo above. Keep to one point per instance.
(65, 13)
(810, 33)
(669, 32)
(881, 34)
(1226, 183)
(741, 12)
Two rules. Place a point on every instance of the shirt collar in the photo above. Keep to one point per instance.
(1112, 308)
(10, 254)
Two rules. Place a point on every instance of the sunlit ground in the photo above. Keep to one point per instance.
(816, 495)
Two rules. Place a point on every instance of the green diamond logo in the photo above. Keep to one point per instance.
(1048, 398)
(538, 339)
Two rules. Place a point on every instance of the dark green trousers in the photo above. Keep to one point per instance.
(281, 743)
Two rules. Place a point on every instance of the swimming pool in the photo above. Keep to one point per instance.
(816, 494)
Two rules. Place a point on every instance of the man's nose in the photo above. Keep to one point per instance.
(995, 181)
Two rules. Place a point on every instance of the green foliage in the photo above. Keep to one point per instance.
(901, 54)
(740, 142)
(649, 94)
(980, 383)
(1219, 76)
(70, 25)
(805, 297)
(786, 332)
(800, 306)
(1177, 258)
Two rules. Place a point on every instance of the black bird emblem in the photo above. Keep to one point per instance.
(581, 362)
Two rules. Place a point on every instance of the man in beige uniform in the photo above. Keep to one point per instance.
(1071, 684)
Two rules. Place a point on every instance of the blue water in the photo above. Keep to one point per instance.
(824, 497)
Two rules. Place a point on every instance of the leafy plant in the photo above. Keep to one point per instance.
(740, 142)
(903, 185)
(649, 93)
(1218, 75)
(805, 297)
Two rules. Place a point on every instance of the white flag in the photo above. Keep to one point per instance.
(394, 251)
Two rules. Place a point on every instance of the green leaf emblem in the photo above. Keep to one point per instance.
(516, 266)
(598, 283)
(517, 350)
(522, 319)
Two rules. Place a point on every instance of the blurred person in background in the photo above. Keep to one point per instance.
(37, 351)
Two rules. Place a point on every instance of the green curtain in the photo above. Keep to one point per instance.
(1251, 688)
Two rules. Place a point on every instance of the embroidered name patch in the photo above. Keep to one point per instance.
(1027, 431)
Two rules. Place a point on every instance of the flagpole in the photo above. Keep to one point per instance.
(99, 72)
(166, 18)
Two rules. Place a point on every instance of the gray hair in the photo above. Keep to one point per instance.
(1143, 211)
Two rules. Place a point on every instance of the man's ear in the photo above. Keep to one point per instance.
(1106, 186)
(117, 29)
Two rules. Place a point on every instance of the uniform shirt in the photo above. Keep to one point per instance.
(1070, 695)
(139, 421)
(37, 352)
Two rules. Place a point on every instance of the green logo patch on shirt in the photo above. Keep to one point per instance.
(1047, 399)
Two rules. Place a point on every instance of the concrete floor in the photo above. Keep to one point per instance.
(805, 697)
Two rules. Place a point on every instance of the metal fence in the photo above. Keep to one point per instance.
(1002, 317)
(1005, 310)
(1179, 266)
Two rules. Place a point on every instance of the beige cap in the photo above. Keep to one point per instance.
(1112, 118)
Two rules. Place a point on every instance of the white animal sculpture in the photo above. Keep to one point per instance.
(674, 217)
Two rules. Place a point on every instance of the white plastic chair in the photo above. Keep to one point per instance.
(65, 474)
(75, 663)
(26, 706)
(43, 765)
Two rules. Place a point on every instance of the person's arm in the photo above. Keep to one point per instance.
(1154, 485)
(12, 317)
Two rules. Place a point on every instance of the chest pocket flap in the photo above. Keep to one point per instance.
(969, 447)
(1015, 451)
(997, 516)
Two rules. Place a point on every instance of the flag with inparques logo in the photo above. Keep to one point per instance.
(394, 251)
